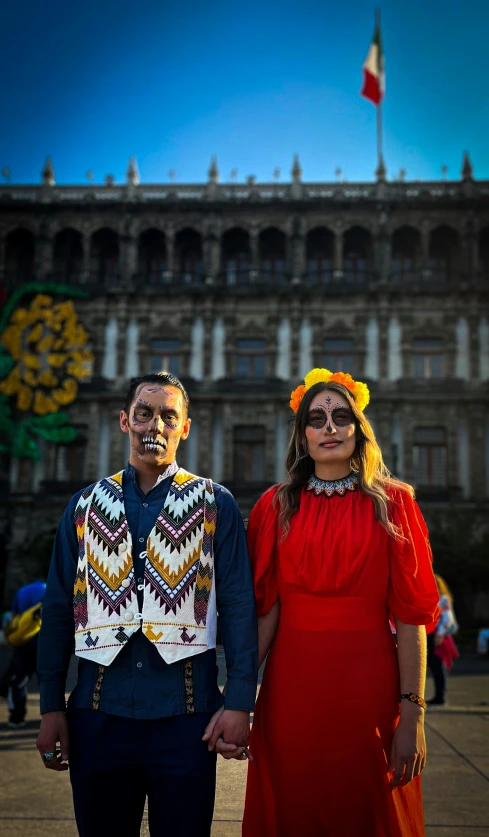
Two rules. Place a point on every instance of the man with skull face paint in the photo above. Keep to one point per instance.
(142, 562)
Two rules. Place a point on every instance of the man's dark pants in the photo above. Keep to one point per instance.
(116, 762)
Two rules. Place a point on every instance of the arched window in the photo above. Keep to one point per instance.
(444, 253)
(188, 244)
(152, 263)
(357, 249)
(319, 255)
(406, 251)
(236, 256)
(272, 256)
(19, 256)
(68, 257)
(104, 257)
(484, 253)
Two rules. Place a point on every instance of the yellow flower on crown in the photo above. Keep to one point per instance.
(358, 389)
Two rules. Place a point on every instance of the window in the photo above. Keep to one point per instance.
(338, 355)
(68, 462)
(249, 454)
(430, 457)
(165, 356)
(192, 271)
(237, 269)
(250, 359)
(319, 269)
(427, 359)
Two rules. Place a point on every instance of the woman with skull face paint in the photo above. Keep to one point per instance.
(337, 549)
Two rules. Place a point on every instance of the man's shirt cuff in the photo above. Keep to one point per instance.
(52, 696)
(240, 695)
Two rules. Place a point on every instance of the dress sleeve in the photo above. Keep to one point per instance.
(413, 594)
(262, 546)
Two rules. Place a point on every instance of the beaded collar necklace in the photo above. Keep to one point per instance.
(330, 487)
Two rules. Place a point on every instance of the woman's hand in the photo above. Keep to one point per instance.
(408, 754)
(217, 743)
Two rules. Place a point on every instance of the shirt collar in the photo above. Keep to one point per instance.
(172, 469)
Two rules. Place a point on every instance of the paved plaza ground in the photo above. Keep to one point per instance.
(35, 802)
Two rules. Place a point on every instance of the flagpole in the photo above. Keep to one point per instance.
(381, 170)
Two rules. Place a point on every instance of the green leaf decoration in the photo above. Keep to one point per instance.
(51, 420)
(24, 446)
(7, 425)
(6, 363)
(61, 435)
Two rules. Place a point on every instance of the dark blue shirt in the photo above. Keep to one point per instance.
(138, 683)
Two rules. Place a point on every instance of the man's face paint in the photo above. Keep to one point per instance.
(156, 423)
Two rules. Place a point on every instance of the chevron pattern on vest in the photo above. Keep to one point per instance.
(80, 604)
(107, 529)
(205, 572)
(174, 551)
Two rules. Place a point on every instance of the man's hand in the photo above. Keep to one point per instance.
(54, 729)
(228, 732)
(408, 754)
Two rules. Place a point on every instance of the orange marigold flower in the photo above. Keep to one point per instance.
(296, 397)
(345, 379)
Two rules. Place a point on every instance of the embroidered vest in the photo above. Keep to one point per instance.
(179, 608)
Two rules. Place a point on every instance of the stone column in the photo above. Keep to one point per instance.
(109, 365)
(305, 347)
(462, 358)
(463, 458)
(282, 369)
(131, 366)
(170, 254)
(44, 254)
(254, 255)
(196, 365)
(128, 258)
(394, 350)
(425, 250)
(338, 254)
(218, 364)
(483, 364)
(372, 349)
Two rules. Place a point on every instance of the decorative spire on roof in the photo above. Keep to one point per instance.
(132, 174)
(296, 170)
(47, 173)
(213, 172)
(467, 168)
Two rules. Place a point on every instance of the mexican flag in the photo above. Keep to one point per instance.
(373, 70)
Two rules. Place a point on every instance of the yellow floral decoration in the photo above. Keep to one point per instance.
(358, 389)
(49, 346)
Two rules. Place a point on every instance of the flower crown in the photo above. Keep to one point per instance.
(359, 390)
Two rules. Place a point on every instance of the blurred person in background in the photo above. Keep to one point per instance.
(442, 650)
(22, 625)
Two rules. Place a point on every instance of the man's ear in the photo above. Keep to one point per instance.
(186, 429)
(124, 421)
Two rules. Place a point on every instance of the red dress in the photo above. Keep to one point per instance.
(329, 701)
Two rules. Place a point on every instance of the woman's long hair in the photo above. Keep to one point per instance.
(373, 477)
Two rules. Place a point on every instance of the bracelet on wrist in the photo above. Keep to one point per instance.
(414, 699)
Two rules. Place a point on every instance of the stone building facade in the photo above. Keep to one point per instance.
(240, 289)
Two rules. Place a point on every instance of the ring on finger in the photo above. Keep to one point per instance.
(48, 756)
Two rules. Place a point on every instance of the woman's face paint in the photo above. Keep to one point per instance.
(155, 424)
(330, 431)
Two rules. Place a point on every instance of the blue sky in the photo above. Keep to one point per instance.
(92, 82)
